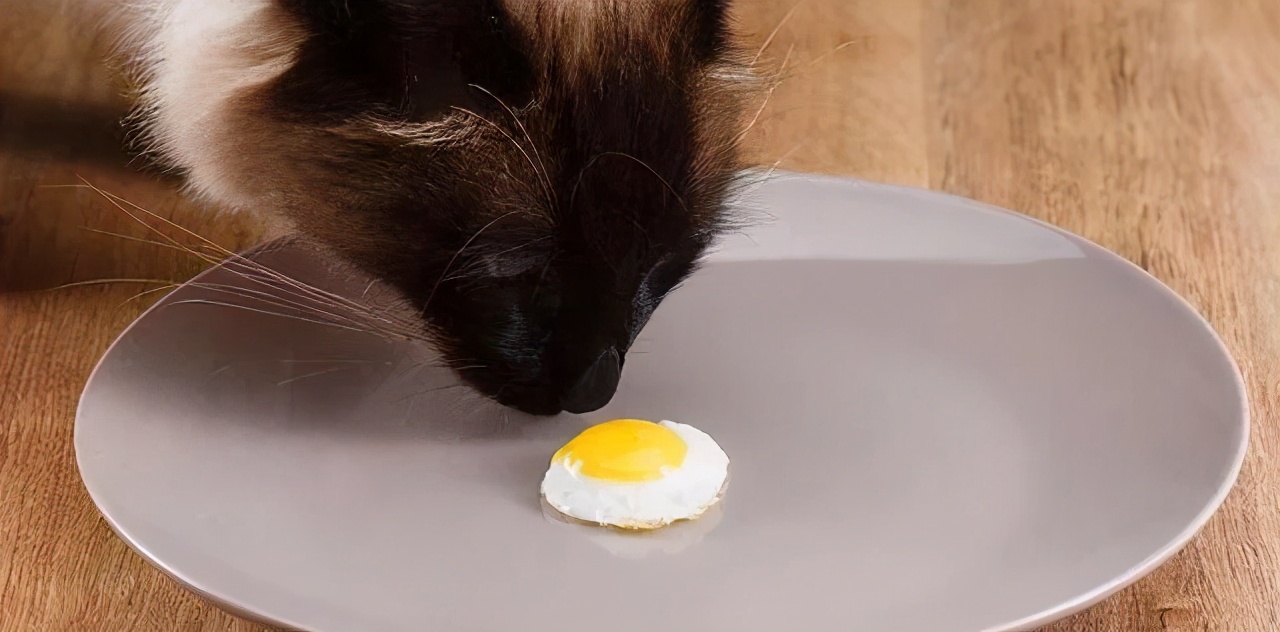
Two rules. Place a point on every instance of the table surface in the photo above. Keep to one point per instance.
(1149, 126)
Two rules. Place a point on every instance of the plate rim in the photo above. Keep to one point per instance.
(1061, 610)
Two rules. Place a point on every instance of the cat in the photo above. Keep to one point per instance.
(533, 176)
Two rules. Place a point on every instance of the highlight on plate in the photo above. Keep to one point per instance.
(636, 474)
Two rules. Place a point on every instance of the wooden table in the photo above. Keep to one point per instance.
(1149, 126)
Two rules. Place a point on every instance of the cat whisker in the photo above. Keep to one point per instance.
(547, 191)
(751, 185)
(168, 286)
(428, 391)
(537, 286)
(267, 312)
(328, 308)
(120, 203)
(151, 242)
(260, 276)
(462, 274)
(235, 258)
(449, 265)
(521, 246)
(269, 297)
(813, 62)
(768, 97)
(324, 361)
(113, 281)
(546, 176)
(660, 177)
(650, 169)
(352, 322)
(774, 33)
(220, 370)
(306, 376)
(264, 277)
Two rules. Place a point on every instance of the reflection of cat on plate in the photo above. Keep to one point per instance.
(634, 545)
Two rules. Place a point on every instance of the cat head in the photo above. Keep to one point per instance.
(534, 176)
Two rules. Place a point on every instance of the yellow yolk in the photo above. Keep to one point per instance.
(625, 451)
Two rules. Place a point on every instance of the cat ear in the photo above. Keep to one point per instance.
(345, 20)
(328, 16)
(709, 23)
(413, 59)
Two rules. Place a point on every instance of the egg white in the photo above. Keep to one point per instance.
(683, 493)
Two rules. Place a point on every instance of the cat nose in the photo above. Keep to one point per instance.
(597, 384)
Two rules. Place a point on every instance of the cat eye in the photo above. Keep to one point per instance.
(522, 260)
(500, 269)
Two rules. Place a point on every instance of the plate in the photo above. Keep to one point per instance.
(941, 416)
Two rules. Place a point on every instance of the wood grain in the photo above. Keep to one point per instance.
(1149, 126)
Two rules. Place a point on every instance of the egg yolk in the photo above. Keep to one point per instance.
(625, 451)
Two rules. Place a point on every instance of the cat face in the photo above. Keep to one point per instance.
(533, 175)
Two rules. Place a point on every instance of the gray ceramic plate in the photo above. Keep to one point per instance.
(941, 416)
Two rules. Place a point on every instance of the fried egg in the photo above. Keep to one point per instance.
(637, 544)
(636, 474)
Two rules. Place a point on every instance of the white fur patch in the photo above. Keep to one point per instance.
(192, 59)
